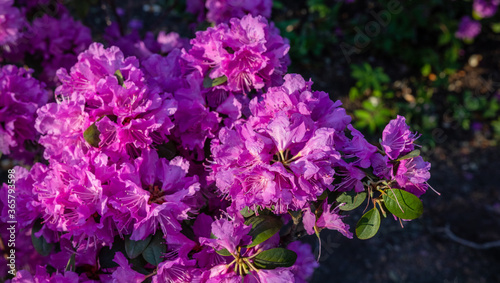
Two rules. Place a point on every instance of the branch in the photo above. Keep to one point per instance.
(474, 245)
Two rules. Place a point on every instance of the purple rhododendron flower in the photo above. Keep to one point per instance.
(229, 235)
(304, 267)
(109, 91)
(133, 44)
(412, 175)
(124, 273)
(284, 155)
(332, 220)
(468, 28)
(11, 23)
(41, 275)
(221, 11)
(485, 8)
(329, 219)
(57, 43)
(397, 139)
(20, 97)
(249, 52)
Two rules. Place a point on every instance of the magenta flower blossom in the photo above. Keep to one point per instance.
(41, 275)
(56, 42)
(21, 96)
(61, 126)
(26, 257)
(468, 28)
(11, 23)
(412, 175)
(397, 139)
(284, 155)
(178, 270)
(305, 265)
(124, 273)
(485, 8)
(133, 44)
(359, 148)
(329, 219)
(109, 91)
(28, 203)
(221, 11)
(249, 52)
(71, 196)
(150, 194)
(229, 235)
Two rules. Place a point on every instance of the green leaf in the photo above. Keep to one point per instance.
(155, 250)
(368, 225)
(219, 81)
(403, 204)
(274, 258)
(412, 154)
(426, 70)
(119, 76)
(41, 245)
(106, 255)
(224, 252)
(70, 266)
(246, 212)
(263, 228)
(135, 248)
(351, 199)
(209, 82)
(495, 27)
(91, 135)
(138, 264)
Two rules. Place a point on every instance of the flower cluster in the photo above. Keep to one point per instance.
(21, 96)
(11, 23)
(132, 44)
(284, 155)
(54, 39)
(198, 162)
(221, 11)
(57, 42)
(248, 53)
(468, 28)
(485, 8)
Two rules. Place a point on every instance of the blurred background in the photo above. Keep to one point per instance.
(435, 62)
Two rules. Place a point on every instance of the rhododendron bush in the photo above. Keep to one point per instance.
(182, 161)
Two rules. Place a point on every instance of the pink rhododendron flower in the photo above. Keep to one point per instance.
(20, 97)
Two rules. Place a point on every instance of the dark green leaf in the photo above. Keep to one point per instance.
(403, 204)
(273, 258)
(224, 252)
(351, 200)
(412, 154)
(135, 248)
(41, 245)
(70, 266)
(368, 225)
(209, 82)
(106, 255)
(138, 264)
(155, 250)
(263, 228)
(91, 135)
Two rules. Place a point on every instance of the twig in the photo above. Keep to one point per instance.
(478, 246)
